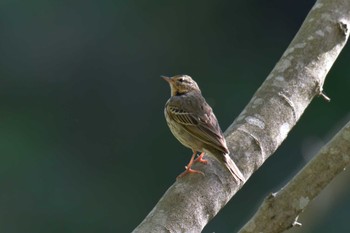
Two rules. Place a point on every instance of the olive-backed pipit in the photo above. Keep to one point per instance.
(193, 123)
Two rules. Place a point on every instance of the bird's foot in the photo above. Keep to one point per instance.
(200, 159)
(192, 161)
(188, 171)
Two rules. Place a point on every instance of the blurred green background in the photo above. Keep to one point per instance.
(84, 146)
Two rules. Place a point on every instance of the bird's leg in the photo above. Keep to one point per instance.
(200, 159)
(189, 165)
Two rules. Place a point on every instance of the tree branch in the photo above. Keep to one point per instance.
(262, 126)
(280, 211)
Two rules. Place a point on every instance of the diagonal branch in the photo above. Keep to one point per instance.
(279, 211)
(262, 126)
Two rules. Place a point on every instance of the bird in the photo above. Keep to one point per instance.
(193, 123)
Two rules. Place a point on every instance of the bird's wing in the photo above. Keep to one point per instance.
(181, 116)
(201, 124)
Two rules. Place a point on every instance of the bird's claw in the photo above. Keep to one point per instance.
(189, 170)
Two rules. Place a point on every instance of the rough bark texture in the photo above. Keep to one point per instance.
(192, 201)
(280, 211)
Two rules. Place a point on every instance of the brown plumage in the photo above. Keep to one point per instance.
(193, 123)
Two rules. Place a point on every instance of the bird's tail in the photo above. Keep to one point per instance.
(232, 167)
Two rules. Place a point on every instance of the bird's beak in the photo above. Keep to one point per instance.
(166, 78)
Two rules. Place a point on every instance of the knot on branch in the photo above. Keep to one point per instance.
(344, 28)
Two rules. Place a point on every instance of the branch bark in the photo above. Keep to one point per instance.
(280, 211)
(297, 78)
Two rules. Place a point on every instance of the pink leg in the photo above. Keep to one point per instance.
(189, 165)
(200, 159)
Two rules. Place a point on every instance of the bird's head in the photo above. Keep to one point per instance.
(181, 84)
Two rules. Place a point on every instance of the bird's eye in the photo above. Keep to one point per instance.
(181, 80)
